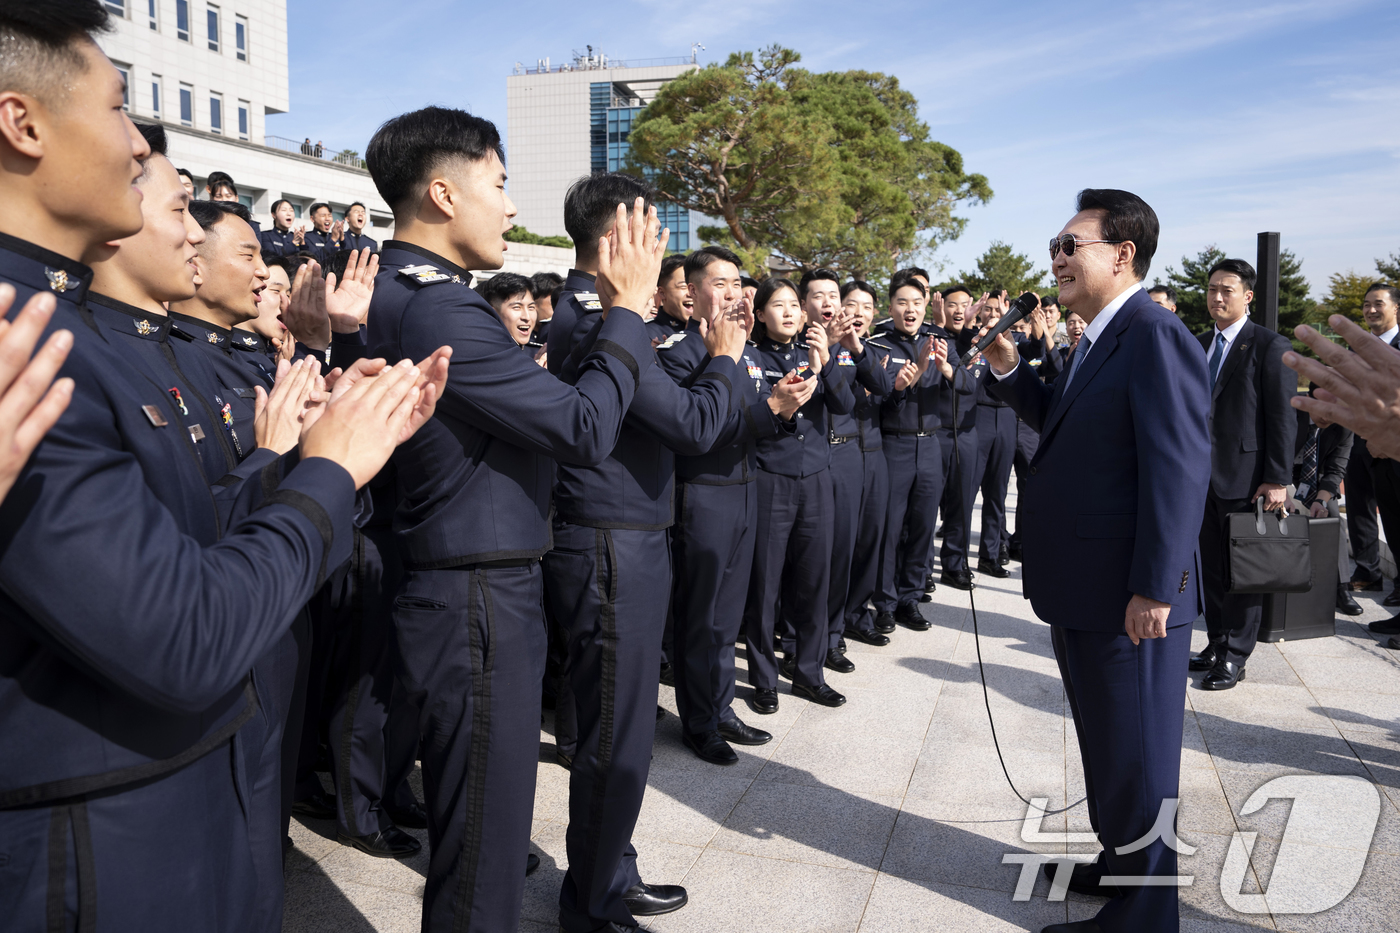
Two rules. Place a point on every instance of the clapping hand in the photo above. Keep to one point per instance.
(31, 401)
(1360, 390)
(817, 352)
(629, 258)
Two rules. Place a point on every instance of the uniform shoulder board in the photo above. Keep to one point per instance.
(589, 301)
(670, 341)
(878, 345)
(425, 275)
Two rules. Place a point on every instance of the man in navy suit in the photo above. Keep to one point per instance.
(1127, 421)
(1252, 428)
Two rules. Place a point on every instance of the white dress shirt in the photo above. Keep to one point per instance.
(1390, 335)
(1096, 327)
(1230, 333)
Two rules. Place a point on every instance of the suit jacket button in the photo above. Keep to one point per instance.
(1032, 471)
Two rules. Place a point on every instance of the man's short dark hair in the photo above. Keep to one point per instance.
(954, 289)
(590, 207)
(669, 265)
(218, 178)
(317, 206)
(39, 43)
(406, 150)
(706, 256)
(816, 275)
(271, 259)
(914, 270)
(748, 281)
(858, 285)
(1392, 290)
(1166, 291)
(1235, 267)
(503, 286)
(154, 135)
(904, 278)
(544, 283)
(1052, 301)
(209, 213)
(186, 173)
(357, 204)
(1128, 218)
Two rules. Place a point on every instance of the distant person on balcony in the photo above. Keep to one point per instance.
(323, 239)
(319, 149)
(306, 146)
(356, 218)
(282, 239)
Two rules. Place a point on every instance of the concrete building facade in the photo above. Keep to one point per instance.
(569, 120)
(211, 72)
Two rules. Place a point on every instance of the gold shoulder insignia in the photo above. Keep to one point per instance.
(670, 341)
(426, 275)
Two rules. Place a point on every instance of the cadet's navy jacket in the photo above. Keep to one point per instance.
(634, 487)
(281, 242)
(235, 375)
(732, 459)
(869, 383)
(474, 483)
(257, 353)
(807, 449)
(352, 240)
(321, 245)
(561, 326)
(128, 622)
(915, 409)
(663, 326)
(1132, 429)
(971, 376)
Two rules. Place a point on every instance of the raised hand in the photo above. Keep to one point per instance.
(908, 374)
(843, 331)
(817, 346)
(1001, 355)
(30, 401)
(629, 258)
(299, 235)
(347, 302)
(791, 394)
(1359, 390)
(277, 418)
(727, 333)
(306, 317)
(338, 231)
(935, 308)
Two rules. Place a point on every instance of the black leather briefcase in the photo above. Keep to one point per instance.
(1270, 552)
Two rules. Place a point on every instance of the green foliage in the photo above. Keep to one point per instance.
(521, 235)
(1345, 291)
(827, 170)
(1389, 269)
(1294, 305)
(1002, 267)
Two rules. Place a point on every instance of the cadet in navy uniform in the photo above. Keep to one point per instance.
(716, 516)
(602, 585)
(792, 540)
(111, 774)
(281, 240)
(354, 237)
(996, 448)
(958, 418)
(871, 386)
(674, 306)
(323, 240)
(909, 423)
(473, 489)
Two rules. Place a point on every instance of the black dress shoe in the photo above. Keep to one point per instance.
(1084, 879)
(738, 732)
(838, 662)
(1367, 586)
(908, 615)
(650, 900)
(1348, 606)
(822, 695)
(884, 622)
(1393, 643)
(709, 746)
(957, 579)
(668, 673)
(1004, 559)
(1223, 676)
(321, 805)
(1014, 552)
(660, 713)
(564, 759)
(532, 862)
(992, 569)
(930, 583)
(1207, 658)
(787, 666)
(875, 639)
(387, 843)
(1389, 626)
(412, 816)
(764, 701)
(1079, 926)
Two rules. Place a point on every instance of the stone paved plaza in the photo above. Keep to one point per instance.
(892, 813)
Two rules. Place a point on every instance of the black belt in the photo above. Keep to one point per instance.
(497, 564)
(842, 438)
(910, 433)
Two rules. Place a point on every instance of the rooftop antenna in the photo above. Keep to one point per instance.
(693, 47)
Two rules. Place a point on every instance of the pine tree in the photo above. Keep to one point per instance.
(1190, 284)
(1002, 267)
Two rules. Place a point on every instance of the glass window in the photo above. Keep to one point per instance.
(155, 94)
(242, 119)
(216, 113)
(151, 11)
(213, 29)
(240, 37)
(186, 105)
(296, 210)
(246, 200)
(182, 20)
(126, 86)
(118, 7)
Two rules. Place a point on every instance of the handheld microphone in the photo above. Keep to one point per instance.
(1018, 310)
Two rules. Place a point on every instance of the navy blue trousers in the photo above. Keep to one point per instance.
(996, 449)
(713, 541)
(1231, 618)
(791, 566)
(959, 494)
(604, 587)
(847, 491)
(263, 740)
(472, 649)
(169, 854)
(1027, 443)
(916, 485)
(1127, 703)
(870, 537)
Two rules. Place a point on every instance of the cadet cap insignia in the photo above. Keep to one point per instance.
(144, 328)
(212, 337)
(250, 342)
(426, 275)
(670, 341)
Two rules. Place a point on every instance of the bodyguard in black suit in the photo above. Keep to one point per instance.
(1252, 429)
(1377, 476)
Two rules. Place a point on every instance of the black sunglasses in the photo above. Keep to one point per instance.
(1069, 242)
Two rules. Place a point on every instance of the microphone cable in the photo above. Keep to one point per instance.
(972, 603)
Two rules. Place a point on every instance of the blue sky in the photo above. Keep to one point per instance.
(1228, 118)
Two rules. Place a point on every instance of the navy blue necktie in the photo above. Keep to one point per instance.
(1216, 357)
(1080, 351)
